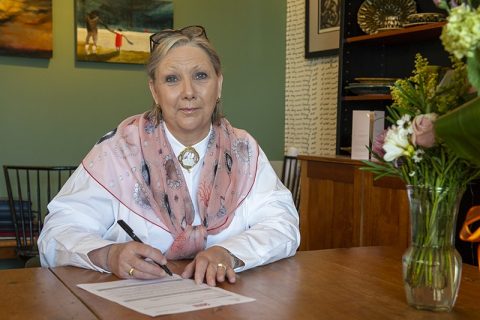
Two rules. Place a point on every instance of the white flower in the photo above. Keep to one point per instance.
(396, 144)
(405, 131)
(405, 125)
(418, 155)
(411, 173)
(404, 121)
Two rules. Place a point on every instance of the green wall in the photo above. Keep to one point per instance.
(53, 111)
(250, 38)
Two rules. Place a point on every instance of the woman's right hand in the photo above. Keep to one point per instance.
(127, 260)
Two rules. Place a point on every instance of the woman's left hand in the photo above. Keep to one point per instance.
(212, 265)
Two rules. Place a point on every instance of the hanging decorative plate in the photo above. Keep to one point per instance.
(372, 13)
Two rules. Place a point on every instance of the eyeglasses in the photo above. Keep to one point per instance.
(190, 31)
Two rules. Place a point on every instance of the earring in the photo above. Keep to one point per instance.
(156, 113)
(217, 112)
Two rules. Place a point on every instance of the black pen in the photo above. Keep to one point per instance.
(132, 235)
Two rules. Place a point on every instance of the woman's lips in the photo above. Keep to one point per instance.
(188, 110)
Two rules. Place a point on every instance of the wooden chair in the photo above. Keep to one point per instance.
(291, 177)
(29, 190)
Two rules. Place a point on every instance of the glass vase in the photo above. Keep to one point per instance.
(432, 267)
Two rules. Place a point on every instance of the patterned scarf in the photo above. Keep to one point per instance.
(136, 164)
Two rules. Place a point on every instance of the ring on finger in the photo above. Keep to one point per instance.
(221, 265)
(130, 272)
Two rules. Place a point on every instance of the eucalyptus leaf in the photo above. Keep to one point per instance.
(473, 67)
(460, 129)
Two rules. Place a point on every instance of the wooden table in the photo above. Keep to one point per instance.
(355, 283)
(37, 294)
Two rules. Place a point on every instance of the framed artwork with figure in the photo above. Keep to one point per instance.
(118, 31)
(322, 27)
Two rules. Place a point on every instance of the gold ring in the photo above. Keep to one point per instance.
(130, 273)
(221, 265)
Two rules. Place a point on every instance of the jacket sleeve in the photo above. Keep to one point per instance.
(272, 231)
(79, 216)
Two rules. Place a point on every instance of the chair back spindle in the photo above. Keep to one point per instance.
(29, 190)
(291, 177)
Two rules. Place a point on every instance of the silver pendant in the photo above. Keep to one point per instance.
(188, 158)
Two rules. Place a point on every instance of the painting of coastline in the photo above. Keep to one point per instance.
(118, 31)
(26, 28)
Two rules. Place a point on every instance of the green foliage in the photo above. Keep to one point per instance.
(430, 92)
(429, 89)
(473, 67)
(460, 131)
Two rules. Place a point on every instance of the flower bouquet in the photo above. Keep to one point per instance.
(434, 173)
(409, 148)
(461, 38)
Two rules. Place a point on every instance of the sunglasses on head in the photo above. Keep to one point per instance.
(190, 31)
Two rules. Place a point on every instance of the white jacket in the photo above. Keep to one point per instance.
(83, 218)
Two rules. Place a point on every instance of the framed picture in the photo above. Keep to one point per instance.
(322, 27)
(26, 28)
(118, 31)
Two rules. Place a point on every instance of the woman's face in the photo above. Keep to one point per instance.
(186, 87)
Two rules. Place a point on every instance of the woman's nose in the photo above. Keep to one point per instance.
(188, 89)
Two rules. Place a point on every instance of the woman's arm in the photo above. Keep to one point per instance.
(272, 222)
(79, 216)
(82, 217)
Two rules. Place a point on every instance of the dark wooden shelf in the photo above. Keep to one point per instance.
(368, 97)
(388, 54)
(409, 34)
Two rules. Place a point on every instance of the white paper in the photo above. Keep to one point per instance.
(164, 296)
(360, 134)
(366, 125)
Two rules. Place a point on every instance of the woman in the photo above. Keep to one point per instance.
(187, 182)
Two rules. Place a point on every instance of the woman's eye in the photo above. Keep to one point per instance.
(201, 76)
(171, 79)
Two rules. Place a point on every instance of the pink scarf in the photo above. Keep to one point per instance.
(136, 164)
